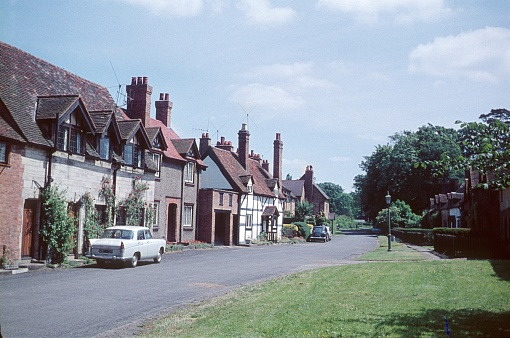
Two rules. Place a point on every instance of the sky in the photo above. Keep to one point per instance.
(335, 78)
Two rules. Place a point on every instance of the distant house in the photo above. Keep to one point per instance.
(57, 128)
(178, 164)
(239, 199)
(305, 189)
(448, 208)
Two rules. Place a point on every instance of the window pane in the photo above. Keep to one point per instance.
(3, 152)
(74, 145)
(104, 148)
(63, 134)
(188, 216)
(128, 154)
(189, 172)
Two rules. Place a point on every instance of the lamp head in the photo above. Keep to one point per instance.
(388, 198)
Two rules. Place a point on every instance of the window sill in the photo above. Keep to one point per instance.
(187, 228)
(189, 184)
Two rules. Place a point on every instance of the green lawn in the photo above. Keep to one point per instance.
(399, 252)
(375, 299)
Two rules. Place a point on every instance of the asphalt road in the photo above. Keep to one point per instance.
(91, 301)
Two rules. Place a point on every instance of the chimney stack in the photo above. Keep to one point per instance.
(139, 99)
(205, 143)
(277, 159)
(244, 144)
(225, 145)
(265, 165)
(164, 109)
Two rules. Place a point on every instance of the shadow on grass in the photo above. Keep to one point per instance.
(461, 323)
(501, 269)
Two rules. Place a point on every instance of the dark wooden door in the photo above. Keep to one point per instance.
(27, 239)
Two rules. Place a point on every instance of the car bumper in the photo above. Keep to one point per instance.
(317, 238)
(108, 257)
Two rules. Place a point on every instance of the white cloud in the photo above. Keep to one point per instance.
(260, 12)
(481, 55)
(401, 11)
(183, 8)
(270, 98)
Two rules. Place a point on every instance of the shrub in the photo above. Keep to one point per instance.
(303, 229)
(457, 232)
(289, 230)
(57, 225)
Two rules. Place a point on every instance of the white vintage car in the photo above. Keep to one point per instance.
(126, 244)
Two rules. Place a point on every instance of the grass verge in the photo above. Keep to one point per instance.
(399, 252)
(383, 299)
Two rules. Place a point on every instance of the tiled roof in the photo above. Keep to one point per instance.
(235, 173)
(48, 107)
(128, 128)
(183, 146)
(25, 77)
(296, 187)
(168, 135)
(101, 119)
(8, 128)
(270, 211)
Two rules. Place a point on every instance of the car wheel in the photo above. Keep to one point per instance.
(157, 259)
(133, 262)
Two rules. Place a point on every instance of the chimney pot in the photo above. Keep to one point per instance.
(133, 81)
(139, 80)
(161, 95)
(145, 80)
(167, 97)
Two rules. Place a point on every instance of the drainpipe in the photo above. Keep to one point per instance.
(183, 184)
(114, 183)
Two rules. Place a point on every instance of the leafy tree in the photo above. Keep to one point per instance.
(401, 216)
(339, 202)
(485, 148)
(397, 167)
(57, 225)
(303, 209)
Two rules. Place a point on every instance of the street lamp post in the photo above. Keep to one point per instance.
(388, 202)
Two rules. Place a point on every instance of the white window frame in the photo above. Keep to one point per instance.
(189, 172)
(156, 157)
(187, 216)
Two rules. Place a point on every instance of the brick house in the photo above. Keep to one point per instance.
(305, 189)
(60, 129)
(178, 165)
(239, 198)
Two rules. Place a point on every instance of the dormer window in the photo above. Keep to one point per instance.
(133, 155)
(70, 136)
(250, 188)
(104, 148)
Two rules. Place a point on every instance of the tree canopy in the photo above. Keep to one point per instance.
(391, 167)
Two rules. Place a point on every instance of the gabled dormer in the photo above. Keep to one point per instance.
(65, 121)
(107, 140)
(248, 183)
(158, 145)
(134, 141)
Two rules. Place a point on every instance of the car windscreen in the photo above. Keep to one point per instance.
(117, 233)
(317, 230)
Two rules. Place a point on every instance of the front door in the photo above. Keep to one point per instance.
(172, 221)
(27, 238)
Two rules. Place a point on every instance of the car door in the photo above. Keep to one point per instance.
(142, 243)
(151, 244)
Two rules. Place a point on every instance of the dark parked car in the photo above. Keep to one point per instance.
(320, 233)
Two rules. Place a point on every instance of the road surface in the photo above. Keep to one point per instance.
(95, 302)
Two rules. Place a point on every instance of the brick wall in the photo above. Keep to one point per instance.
(11, 204)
